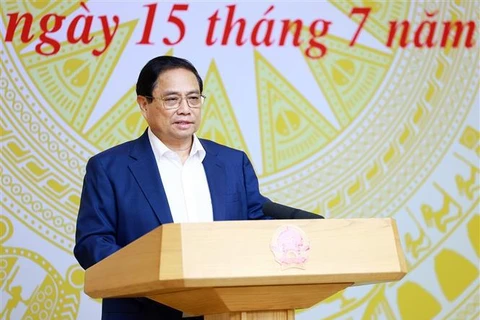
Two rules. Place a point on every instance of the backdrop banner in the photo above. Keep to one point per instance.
(349, 109)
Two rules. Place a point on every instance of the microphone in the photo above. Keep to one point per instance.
(279, 211)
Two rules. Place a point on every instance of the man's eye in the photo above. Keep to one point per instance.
(171, 99)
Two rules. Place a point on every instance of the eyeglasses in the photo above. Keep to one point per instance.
(171, 102)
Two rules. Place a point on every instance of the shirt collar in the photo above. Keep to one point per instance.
(161, 150)
(197, 148)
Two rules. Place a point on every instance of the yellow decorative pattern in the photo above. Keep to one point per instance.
(348, 78)
(396, 134)
(415, 302)
(38, 9)
(123, 122)
(219, 122)
(49, 297)
(380, 16)
(473, 230)
(452, 282)
(292, 129)
(71, 80)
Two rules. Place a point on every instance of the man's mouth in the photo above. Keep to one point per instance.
(183, 125)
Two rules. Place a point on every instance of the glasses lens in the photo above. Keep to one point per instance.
(171, 102)
(194, 100)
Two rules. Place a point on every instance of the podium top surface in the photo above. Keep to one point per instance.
(251, 253)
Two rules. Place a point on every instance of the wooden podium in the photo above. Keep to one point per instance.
(250, 269)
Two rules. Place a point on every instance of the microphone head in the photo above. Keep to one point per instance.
(300, 214)
(277, 211)
(280, 211)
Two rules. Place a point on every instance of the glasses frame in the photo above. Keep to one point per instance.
(182, 97)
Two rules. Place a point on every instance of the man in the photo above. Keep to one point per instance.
(166, 175)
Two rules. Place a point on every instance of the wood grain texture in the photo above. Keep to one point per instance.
(230, 299)
(260, 315)
(223, 267)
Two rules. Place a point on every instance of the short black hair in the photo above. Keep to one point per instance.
(147, 80)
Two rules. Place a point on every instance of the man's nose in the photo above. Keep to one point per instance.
(183, 108)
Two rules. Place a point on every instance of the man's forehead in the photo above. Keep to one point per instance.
(176, 77)
(179, 92)
(175, 72)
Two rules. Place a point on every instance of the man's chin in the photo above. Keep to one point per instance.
(184, 134)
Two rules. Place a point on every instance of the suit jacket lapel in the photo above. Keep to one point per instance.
(216, 179)
(145, 170)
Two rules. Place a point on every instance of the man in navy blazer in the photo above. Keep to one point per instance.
(130, 189)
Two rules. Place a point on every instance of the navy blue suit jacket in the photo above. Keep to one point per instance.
(123, 198)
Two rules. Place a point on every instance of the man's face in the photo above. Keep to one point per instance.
(177, 125)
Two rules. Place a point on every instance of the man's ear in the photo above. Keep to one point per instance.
(142, 103)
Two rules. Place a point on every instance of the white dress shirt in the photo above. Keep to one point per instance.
(185, 184)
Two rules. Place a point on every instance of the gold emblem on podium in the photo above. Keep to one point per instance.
(290, 247)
